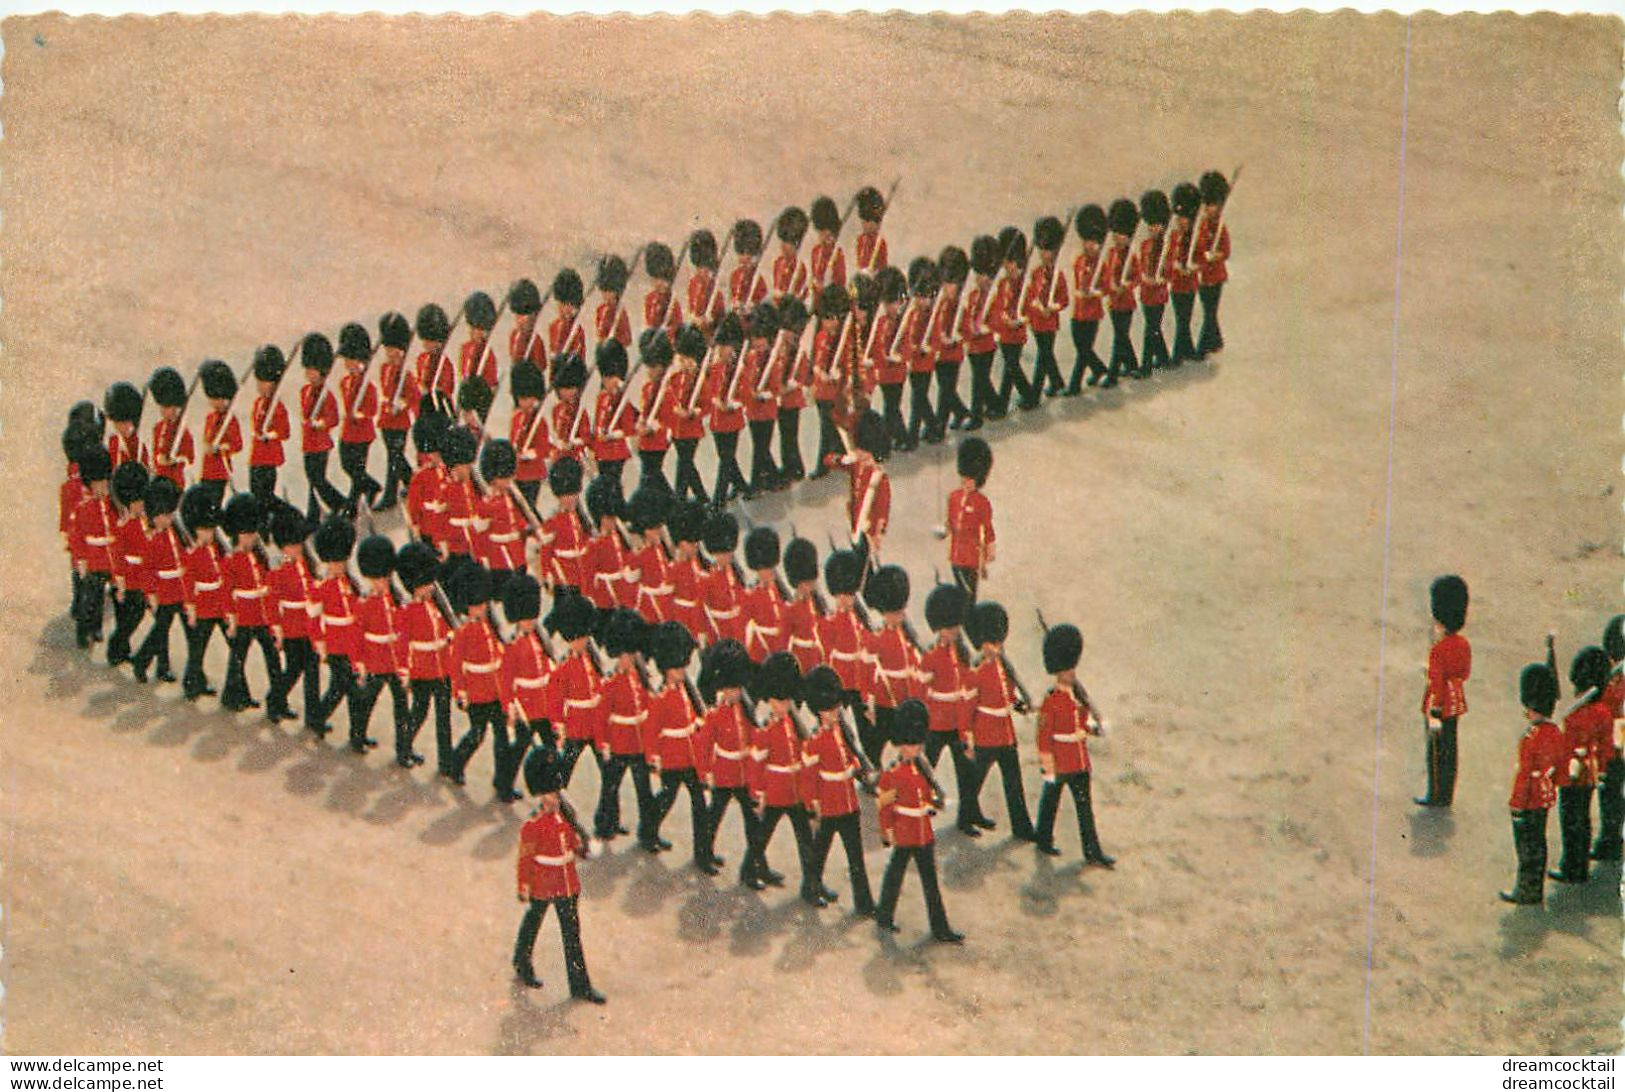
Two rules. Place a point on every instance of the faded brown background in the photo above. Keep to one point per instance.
(177, 880)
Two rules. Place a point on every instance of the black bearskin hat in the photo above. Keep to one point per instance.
(432, 324)
(375, 557)
(610, 359)
(458, 446)
(269, 364)
(825, 216)
(1154, 208)
(217, 380)
(612, 274)
(671, 645)
(1013, 244)
(820, 689)
(690, 341)
(417, 564)
(702, 249)
(945, 607)
(649, 507)
(721, 533)
(85, 412)
(975, 459)
(474, 395)
(843, 572)
(1613, 638)
(865, 292)
(778, 679)
(890, 284)
(792, 314)
(730, 331)
(1123, 217)
(122, 403)
(524, 298)
(521, 598)
(952, 265)
(1091, 224)
(984, 255)
(1589, 670)
(1215, 190)
(162, 497)
(987, 623)
(334, 539)
(792, 226)
(564, 477)
(910, 723)
(567, 287)
(480, 311)
(78, 439)
(394, 332)
(886, 590)
(289, 527)
(1048, 233)
(544, 772)
(1063, 645)
(201, 512)
(167, 387)
(95, 464)
(354, 342)
(625, 633)
(1448, 597)
(469, 587)
(654, 347)
(316, 353)
(764, 321)
(724, 666)
(497, 460)
(1537, 689)
(429, 431)
(922, 277)
(604, 499)
(872, 435)
(1187, 199)
(800, 561)
(871, 206)
(242, 515)
(687, 522)
(129, 483)
(527, 379)
(569, 372)
(659, 262)
(747, 237)
(834, 302)
(762, 549)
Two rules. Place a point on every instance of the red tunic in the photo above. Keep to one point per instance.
(548, 848)
(336, 630)
(436, 372)
(1613, 695)
(164, 564)
(774, 771)
(760, 383)
(1005, 317)
(626, 705)
(828, 767)
(575, 701)
(171, 455)
(905, 817)
(68, 496)
(745, 288)
(129, 554)
(523, 341)
(523, 680)
(1178, 245)
(947, 683)
(1087, 305)
(685, 407)
(651, 572)
(462, 515)
(380, 635)
(803, 623)
(204, 582)
(727, 392)
(724, 744)
(478, 358)
(1145, 270)
(217, 464)
(393, 375)
(869, 487)
(942, 340)
(502, 546)
(572, 429)
(796, 378)
(476, 661)
(723, 595)
(603, 331)
(1116, 282)
(653, 435)
(1450, 662)
(789, 277)
(564, 545)
(424, 509)
(827, 265)
(604, 570)
(673, 725)
(317, 422)
(844, 642)
(1039, 296)
(427, 637)
(93, 533)
(832, 372)
(655, 303)
(555, 336)
(1217, 271)
(609, 437)
(889, 370)
(970, 528)
(687, 580)
(1540, 751)
(767, 630)
(896, 667)
(870, 252)
(1063, 729)
(1588, 735)
(977, 332)
(992, 725)
(246, 576)
(294, 592)
(704, 303)
(269, 434)
(121, 450)
(360, 400)
(532, 444)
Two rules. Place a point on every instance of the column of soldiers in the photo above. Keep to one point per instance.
(1561, 761)
(797, 698)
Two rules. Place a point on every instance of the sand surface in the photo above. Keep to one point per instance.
(1231, 538)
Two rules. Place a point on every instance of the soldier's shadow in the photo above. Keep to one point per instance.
(968, 864)
(652, 883)
(67, 668)
(451, 825)
(528, 1025)
(756, 921)
(499, 843)
(1049, 883)
(818, 933)
(401, 798)
(267, 746)
(1431, 831)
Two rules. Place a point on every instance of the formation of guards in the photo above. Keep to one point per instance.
(1562, 761)
(622, 620)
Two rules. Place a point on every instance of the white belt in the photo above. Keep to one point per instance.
(332, 619)
(722, 614)
(732, 756)
(313, 609)
(782, 769)
(569, 553)
(481, 669)
(944, 695)
(1001, 711)
(295, 604)
(901, 673)
(915, 813)
(215, 586)
(834, 655)
(257, 593)
(169, 574)
(804, 642)
(764, 629)
(381, 638)
(686, 602)
(677, 733)
(1075, 737)
(98, 541)
(427, 646)
(511, 536)
(530, 684)
(618, 718)
(658, 589)
(132, 559)
(577, 703)
(462, 522)
(556, 862)
(844, 775)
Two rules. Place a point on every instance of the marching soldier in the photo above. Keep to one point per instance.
(476, 663)
(427, 636)
(721, 587)
(843, 640)
(724, 744)
(827, 262)
(1539, 752)
(1588, 734)
(575, 699)
(338, 637)
(222, 435)
(1064, 725)
(163, 558)
(835, 346)
(991, 738)
(524, 340)
(1043, 302)
(1212, 256)
(1007, 321)
(793, 377)
(522, 686)
(1124, 220)
(401, 398)
(251, 609)
(461, 517)
(172, 449)
(625, 725)
(425, 511)
(563, 539)
(766, 361)
(893, 659)
(829, 769)
(774, 772)
(268, 424)
(868, 502)
(908, 800)
(502, 546)
(802, 618)
(1088, 307)
(686, 572)
(294, 612)
(650, 418)
(1146, 269)
(572, 435)
(1181, 276)
(1610, 806)
(474, 397)
(674, 720)
(917, 351)
(359, 397)
(745, 288)
(971, 541)
(613, 417)
(318, 415)
(204, 587)
(1450, 662)
(725, 395)
(978, 335)
(945, 344)
(705, 305)
(661, 308)
(870, 248)
(605, 562)
(532, 442)
(476, 357)
(378, 658)
(649, 568)
(548, 848)
(128, 555)
(946, 679)
(890, 369)
(436, 378)
(122, 407)
(683, 410)
(789, 271)
(77, 439)
(609, 320)
(564, 334)
(766, 627)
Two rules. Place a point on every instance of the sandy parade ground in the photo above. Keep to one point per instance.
(1247, 544)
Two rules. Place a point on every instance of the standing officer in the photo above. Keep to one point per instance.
(1450, 662)
(1064, 724)
(908, 800)
(548, 848)
(970, 516)
(1539, 752)
(829, 771)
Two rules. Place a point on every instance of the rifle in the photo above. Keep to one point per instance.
(225, 418)
(536, 326)
(432, 388)
(1055, 277)
(767, 365)
(671, 296)
(1078, 691)
(849, 734)
(620, 300)
(939, 799)
(858, 607)
(569, 334)
(890, 193)
(175, 438)
(902, 323)
(767, 239)
(1218, 221)
(699, 381)
(834, 244)
(716, 280)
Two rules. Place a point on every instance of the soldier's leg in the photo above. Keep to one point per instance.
(1153, 349)
(1049, 804)
(194, 683)
(399, 475)
(872, 735)
(644, 793)
(970, 805)
(705, 847)
(271, 656)
(812, 879)
(340, 684)
(1211, 339)
(790, 465)
(1447, 762)
(968, 578)
(607, 818)
(919, 407)
(1083, 800)
(1184, 344)
(982, 395)
(829, 443)
(295, 652)
(423, 691)
(234, 693)
(925, 860)
(850, 828)
(697, 815)
(442, 724)
(320, 487)
(575, 959)
(524, 944)
(1015, 794)
(93, 604)
(768, 823)
(891, 397)
(891, 886)
(1046, 373)
(124, 622)
(363, 699)
(479, 721)
(1573, 819)
(1610, 812)
(155, 645)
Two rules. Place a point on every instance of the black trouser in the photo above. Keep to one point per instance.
(365, 697)
(1442, 763)
(1610, 811)
(607, 821)
(920, 424)
(891, 399)
(262, 483)
(670, 782)
(763, 474)
(1049, 806)
(531, 490)
(508, 744)
(872, 735)
(399, 475)
(340, 686)
(713, 823)
(766, 824)
(688, 475)
(850, 828)
(951, 409)
(423, 692)
(91, 606)
(829, 440)
(983, 398)
(193, 681)
(1212, 338)
(1529, 839)
(1015, 794)
(891, 885)
(481, 716)
(1574, 823)
(128, 610)
(320, 488)
(1123, 358)
(652, 467)
(1184, 345)
(1083, 342)
(570, 753)
(934, 744)
(730, 479)
(790, 465)
(353, 458)
(575, 960)
(1154, 350)
(234, 694)
(298, 661)
(968, 578)
(156, 646)
(1047, 371)
(1014, 380)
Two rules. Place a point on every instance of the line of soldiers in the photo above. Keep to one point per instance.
(1557, 764)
